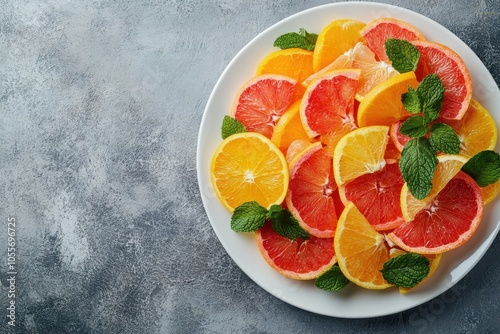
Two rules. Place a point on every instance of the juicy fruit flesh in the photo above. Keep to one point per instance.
(262, 101)
(446, 222)
(376, 195)
(260, 174)
(300, 259)
(311, 190)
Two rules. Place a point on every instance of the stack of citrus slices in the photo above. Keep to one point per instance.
(314, 141)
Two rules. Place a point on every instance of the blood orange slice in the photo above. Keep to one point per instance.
(446, 222)
(262, 100)
(376, 195)
(328, 105)
(378, 31)
(311, 190)
(450, 68)
(301, 259)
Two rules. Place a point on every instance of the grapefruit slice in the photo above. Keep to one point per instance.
(361, 251)
(376, 195)
(262, 100)
(311, 190)
(450, 68)
(249, 167)
(327, 108)
(378, 31)
(446, 222)
(301, 259)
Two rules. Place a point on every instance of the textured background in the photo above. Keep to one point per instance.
(100, 106)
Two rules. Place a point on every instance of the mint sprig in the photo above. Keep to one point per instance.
(403, 55)
(406, 270)
(332, 280)
(418, 158)
(231, 126)
(303, 40)
(484, 167)
(250, 216)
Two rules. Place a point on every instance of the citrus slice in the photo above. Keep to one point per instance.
(376, 195)
(249, 167)
(361, 251)
(327, 108)
(295, 148)
(448, 166)
(434, 260)
(360, 152)
(450, 68)
(360, 57)
(298, 259)
(289, 128)
(262, 100)
(446, 222)
(397, 138)
(490, 192)
(378, 31)
(476, 130)
(335, 39)
(382, 105)
(294, 63)
(311, 190)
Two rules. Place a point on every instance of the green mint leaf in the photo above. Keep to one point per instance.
(484, 167)
(414, 127)
(332, 280)
(406, 270)
(418, 164)
(444, 139)
(285, 224)
(302, 40)
(411, 101)
(431, 93)
(248, 217)
(403, 55)
(230, 126)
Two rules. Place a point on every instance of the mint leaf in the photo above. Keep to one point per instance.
(248, 217)
(431, 93)
(444, 139)
(331, 280)
(484, 167)
(414, 127)
(406, 270)
(411, 101)
(418, 164)
(403, 55)
(230, 126)
(302, 40)
(285, 224)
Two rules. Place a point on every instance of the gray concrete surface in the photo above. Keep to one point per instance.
(100, 106)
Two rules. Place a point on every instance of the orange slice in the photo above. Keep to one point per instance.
(361, 251)
(448, 166)
(262, 100)
(382, 105)
(249, 167)
(335, 39)
(289, 128)
(298, 259)
(378, 31)
(360, 152)
(294, 63)
(447, 222)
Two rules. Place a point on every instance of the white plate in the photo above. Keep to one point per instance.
(352, 301)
